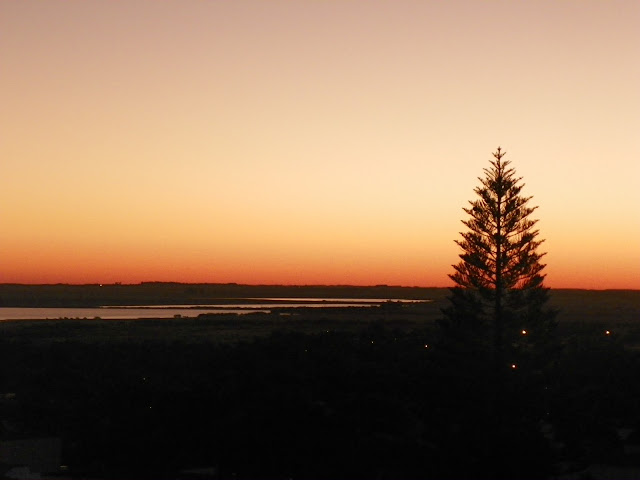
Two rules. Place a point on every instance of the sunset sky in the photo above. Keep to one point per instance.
(311, 142)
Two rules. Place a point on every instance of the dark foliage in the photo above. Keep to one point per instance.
(371, 402)
(499, 302)
(375, 403)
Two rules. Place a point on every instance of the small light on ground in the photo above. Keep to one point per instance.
(426, 346)
(607, 332)
(514, 366)
(524, 332)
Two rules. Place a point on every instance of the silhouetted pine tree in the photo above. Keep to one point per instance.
(499, 300)
(497, 327)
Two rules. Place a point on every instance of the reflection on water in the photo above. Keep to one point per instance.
(238, 306)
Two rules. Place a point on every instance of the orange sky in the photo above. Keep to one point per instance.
(311, 142)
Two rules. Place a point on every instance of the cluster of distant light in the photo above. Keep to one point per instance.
(514, 366)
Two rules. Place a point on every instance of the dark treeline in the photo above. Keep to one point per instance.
(377, 401)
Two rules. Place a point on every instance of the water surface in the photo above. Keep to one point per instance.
(238, 306)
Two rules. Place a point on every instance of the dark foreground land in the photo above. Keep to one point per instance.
(343, 393)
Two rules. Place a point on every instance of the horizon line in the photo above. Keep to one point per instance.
(288, 285)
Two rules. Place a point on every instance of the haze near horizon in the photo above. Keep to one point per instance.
(312, 142)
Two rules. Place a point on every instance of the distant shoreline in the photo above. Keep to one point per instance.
(157, 293)
(574, 304)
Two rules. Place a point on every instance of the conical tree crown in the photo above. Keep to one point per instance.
(498, 282)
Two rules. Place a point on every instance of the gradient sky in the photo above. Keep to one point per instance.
(309, 142)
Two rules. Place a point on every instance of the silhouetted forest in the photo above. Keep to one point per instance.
(346, 393)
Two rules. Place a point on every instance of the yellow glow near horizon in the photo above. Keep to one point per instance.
(311, 142)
